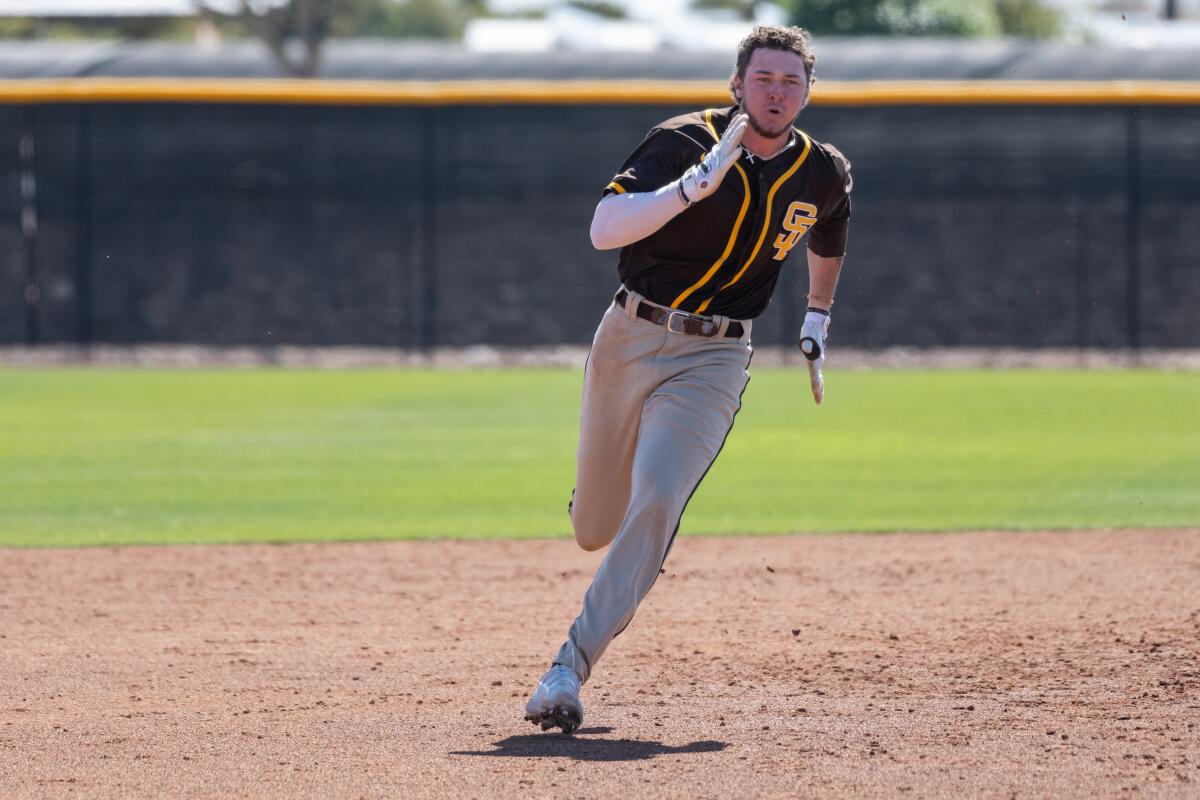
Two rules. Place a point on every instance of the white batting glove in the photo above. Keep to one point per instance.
(702, 179)
(812, 343)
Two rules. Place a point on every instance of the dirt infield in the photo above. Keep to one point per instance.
(985, 665)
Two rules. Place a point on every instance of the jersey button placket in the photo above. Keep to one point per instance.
(748, 246)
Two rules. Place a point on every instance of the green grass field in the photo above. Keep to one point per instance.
(90, 457)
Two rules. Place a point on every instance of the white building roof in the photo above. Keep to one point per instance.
(653, 24)
(107, 8)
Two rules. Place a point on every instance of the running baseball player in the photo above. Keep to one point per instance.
(706, 211)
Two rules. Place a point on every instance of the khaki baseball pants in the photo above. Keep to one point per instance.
(657, 407)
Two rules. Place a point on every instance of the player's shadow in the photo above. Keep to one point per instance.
(582, 748)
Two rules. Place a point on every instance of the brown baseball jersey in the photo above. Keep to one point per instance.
(723, 254)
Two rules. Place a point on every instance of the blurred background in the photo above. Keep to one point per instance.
(381, 190)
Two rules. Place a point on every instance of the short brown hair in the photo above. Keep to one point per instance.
(774, 37)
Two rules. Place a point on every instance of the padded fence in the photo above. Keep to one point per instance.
(410, 225)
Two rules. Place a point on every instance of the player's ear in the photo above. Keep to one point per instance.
(808, 88)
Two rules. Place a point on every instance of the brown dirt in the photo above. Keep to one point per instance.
(985, 665)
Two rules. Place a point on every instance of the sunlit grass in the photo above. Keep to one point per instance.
(124, 456)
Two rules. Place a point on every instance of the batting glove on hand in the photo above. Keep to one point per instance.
(702, 179)
(812, 343)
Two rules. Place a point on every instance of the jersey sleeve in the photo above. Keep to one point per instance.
(828, 236)
(658, 160)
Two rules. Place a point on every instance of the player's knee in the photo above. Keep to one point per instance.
(590, 545)
(591, 533)
(588, 535)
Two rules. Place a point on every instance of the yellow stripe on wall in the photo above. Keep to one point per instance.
(875, 93)
(339, 92)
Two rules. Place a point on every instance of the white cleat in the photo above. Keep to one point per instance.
(555, 702)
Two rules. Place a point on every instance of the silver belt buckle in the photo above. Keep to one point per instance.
(681, 316)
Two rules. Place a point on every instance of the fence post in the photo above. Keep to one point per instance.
(1083, 326)
(31, 291)
(427, 260)
(1133, 265)
(83, 227)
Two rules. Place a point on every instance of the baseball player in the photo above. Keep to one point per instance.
(706, 211)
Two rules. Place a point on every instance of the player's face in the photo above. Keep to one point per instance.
(774, 90)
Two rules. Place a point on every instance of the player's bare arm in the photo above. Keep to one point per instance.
(823, 275)
(622, 219)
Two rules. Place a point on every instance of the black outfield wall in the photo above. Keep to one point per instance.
(413, 226)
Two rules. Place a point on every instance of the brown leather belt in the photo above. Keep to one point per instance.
(680, 321)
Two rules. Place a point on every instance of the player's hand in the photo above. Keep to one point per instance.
(702, 179)
(812, 343)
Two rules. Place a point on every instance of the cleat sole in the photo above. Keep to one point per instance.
(558, 717)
